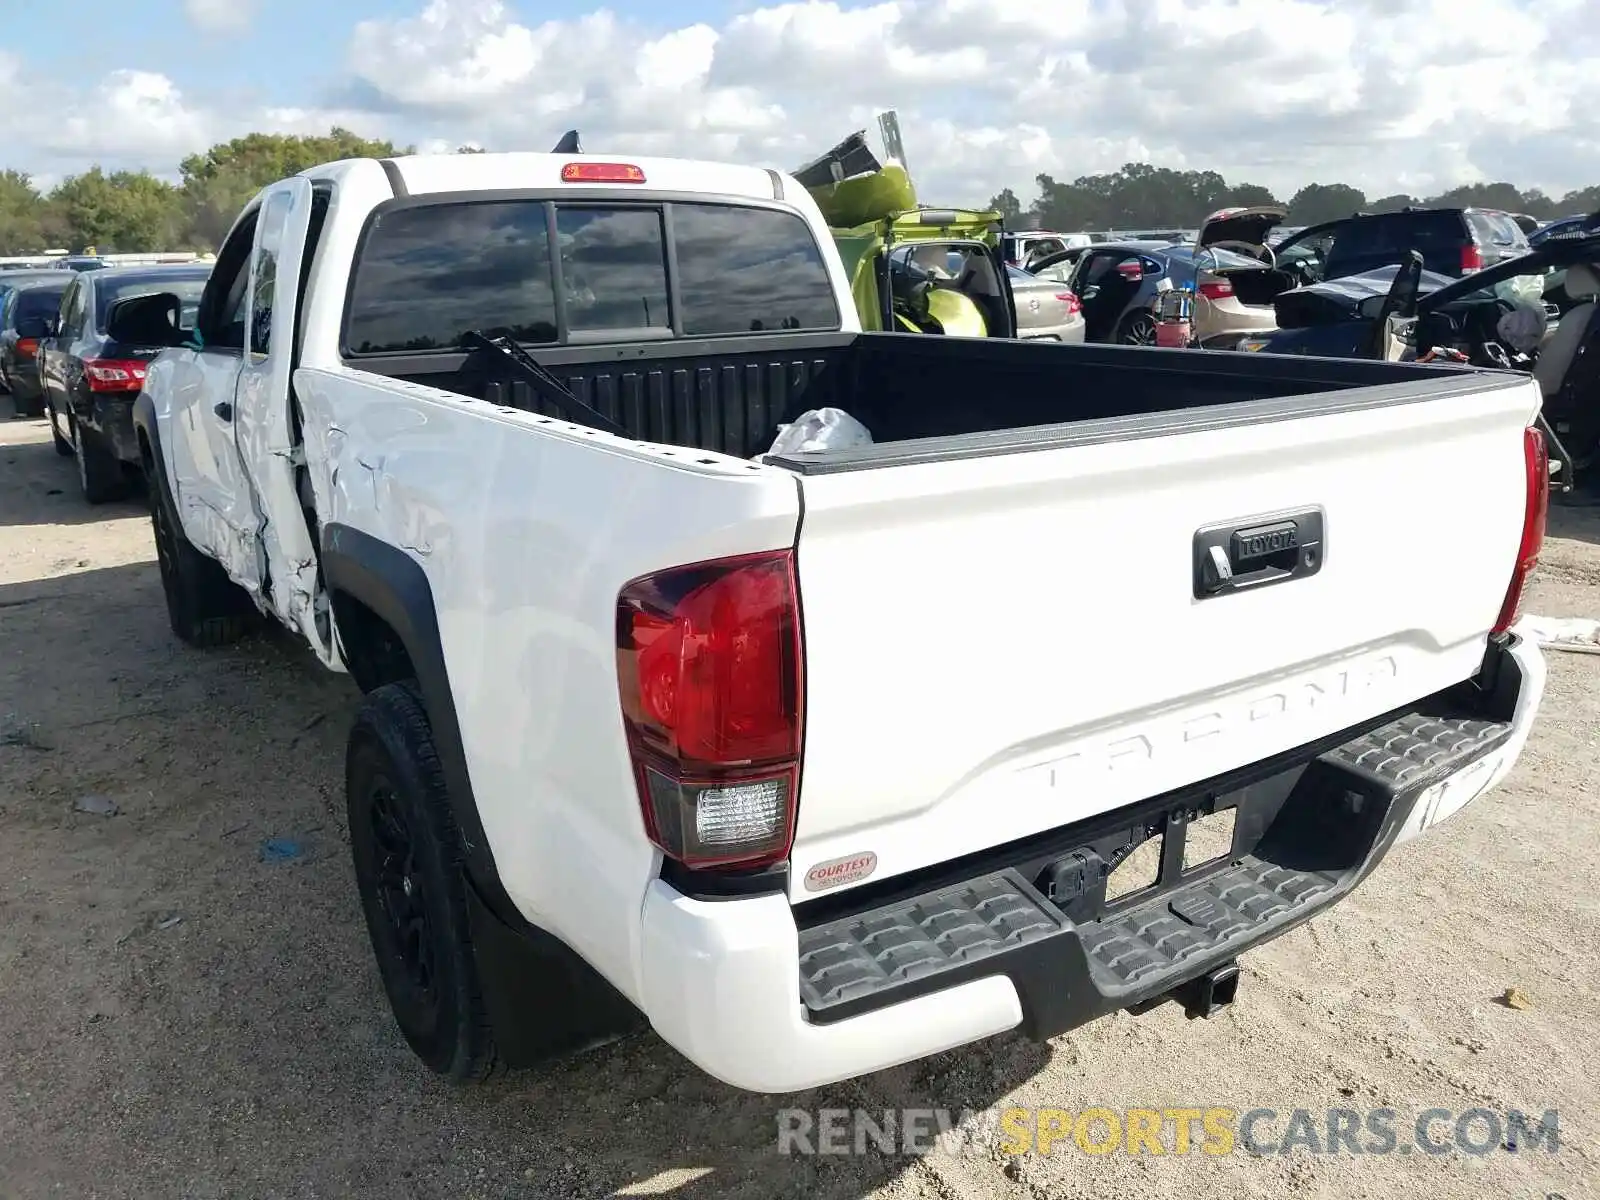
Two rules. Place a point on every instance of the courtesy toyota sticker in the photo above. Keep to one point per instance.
(839, 871)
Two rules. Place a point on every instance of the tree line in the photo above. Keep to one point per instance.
(134, 211)
(1141, 196)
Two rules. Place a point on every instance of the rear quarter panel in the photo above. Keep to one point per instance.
(527, 528)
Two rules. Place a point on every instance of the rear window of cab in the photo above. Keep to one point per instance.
(543, 272)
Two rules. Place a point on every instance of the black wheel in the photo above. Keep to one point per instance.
(1138, 329)
(407, 856)
(100, 474)
(63, 446)
(204, 607)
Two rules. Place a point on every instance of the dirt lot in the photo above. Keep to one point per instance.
(184, 1014)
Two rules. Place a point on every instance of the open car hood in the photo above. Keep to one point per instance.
(853, 188)
(1337, 300)
(1249, 225)
(858, 193)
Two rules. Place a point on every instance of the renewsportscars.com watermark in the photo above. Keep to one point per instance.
(1210, 1130)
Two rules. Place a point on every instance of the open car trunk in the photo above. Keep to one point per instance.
(1258, 287)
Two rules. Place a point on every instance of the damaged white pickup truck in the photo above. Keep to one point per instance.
(817, 762)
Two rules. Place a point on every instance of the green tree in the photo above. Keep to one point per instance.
(1584, 202)
(218, 183)
(1319, 202)
(22, 214)
(1008, 206)
(1394, 203)
(1485, 195)
(121, 213)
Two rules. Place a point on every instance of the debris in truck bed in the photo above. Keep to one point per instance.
(821, 429)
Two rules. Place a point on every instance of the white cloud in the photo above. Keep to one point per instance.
(1389, 95)
(220, 16)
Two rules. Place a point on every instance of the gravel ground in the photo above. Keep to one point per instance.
(183, 1014)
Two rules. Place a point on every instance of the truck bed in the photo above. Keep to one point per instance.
(730, 395)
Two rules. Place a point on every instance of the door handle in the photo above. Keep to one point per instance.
(1274, 548)
(223, 409)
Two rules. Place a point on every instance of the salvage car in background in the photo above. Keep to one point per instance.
(1452, 241)
(1118, 282)
(912, 268)
(25, 319)
(90, 379)
(1346, 318)
(1046, 310)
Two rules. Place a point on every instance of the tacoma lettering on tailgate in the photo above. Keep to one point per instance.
(1247, 710)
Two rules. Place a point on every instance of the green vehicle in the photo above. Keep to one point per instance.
(912, 268)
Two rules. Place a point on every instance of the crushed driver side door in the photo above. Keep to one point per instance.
(266, 432)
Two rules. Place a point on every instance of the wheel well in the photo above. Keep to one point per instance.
(147, 456)
(373, 652)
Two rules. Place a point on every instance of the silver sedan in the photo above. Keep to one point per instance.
(1046, 310)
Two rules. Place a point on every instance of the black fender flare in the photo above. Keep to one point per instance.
(147, 426)
(542, 997)
(394, 586)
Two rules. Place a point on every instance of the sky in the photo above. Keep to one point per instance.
(1388, 95)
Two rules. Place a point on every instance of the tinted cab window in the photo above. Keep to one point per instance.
(539, 273)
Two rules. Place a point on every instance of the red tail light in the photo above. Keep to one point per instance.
(708, 661)
(1216, 291)
(1070, 299)
(114, 374)
(1537, 456)
(596, 172)
(27, 347)
(1471, 258)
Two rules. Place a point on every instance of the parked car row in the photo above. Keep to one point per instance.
(1240, 261)
(58, 361)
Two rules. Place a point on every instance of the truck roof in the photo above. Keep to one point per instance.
(432, 173)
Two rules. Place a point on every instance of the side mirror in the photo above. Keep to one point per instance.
(146, 321)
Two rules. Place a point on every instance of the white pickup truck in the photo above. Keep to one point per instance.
(816, 762)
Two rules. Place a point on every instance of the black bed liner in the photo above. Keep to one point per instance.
(923, 397)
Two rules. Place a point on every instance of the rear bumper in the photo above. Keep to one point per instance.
(771, 1005)
(111, 416)
(1072, 332)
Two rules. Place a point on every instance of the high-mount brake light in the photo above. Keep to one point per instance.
(600, 172)
(1536, 455)
(709, 668)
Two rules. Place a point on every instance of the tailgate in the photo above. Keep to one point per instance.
(1001, 644)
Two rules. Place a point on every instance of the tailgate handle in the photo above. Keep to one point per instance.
(1236, 556)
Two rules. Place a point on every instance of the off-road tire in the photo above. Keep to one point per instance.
(408, 865)
(204, 607)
